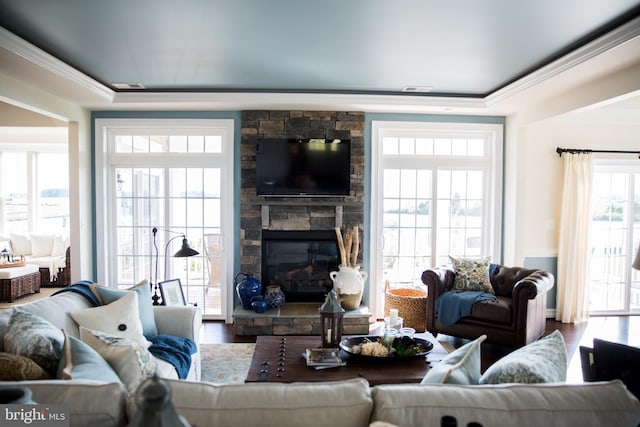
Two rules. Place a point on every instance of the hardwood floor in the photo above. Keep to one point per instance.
(621, 329)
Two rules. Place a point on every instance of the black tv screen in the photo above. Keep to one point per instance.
(303, 167)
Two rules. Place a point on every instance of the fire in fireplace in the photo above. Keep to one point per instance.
(299, 262)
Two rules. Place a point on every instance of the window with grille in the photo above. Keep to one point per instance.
(174, 176)
(436, 192)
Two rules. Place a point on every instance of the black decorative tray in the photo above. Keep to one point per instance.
(420, 348)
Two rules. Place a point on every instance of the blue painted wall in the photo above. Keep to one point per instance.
(549, 264)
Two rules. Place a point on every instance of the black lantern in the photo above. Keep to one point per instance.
(331, 313)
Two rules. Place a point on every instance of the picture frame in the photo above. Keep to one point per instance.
(171, 292)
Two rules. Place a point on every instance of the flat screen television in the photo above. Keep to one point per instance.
(303, 167)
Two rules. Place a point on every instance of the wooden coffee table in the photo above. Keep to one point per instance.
(267, 364)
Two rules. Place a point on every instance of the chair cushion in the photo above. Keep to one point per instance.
(498, 311)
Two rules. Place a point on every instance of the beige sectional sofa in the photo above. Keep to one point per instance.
(354, 404)
(335, 404)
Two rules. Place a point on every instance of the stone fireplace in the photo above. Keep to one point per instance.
(272, 218)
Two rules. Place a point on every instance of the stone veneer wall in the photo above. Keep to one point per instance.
(296, 213)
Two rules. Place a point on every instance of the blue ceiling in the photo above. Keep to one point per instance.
(459, 48)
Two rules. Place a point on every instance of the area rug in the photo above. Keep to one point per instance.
(44, 292)
(226, 363)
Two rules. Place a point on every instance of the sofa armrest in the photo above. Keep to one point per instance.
(534, 284)
(438, 280)
(530, 287)
(181, 321)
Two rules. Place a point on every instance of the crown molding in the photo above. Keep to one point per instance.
(607, 42)
(289, 100)
(37, 56)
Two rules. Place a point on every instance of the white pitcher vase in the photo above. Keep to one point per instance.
(348, 283)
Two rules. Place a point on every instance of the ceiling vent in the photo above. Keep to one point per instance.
(136, 86)
(417, 89)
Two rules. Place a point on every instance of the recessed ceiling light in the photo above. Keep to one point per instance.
(128, 86)
(419, 89)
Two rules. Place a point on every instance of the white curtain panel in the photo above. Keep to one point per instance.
(574, 246)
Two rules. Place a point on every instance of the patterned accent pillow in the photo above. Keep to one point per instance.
(34, 337)
(542, 361)
(79, 361)
(472, 274)
(461, 366)
(132, 362)
(14, 367)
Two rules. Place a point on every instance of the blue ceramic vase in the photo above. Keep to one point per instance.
(274, 296)
(247, 288)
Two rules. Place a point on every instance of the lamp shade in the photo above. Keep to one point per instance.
(185, 250)
(636, 262)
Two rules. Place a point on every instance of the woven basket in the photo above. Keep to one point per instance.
(411, 305)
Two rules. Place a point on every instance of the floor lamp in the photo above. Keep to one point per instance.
(185, 251)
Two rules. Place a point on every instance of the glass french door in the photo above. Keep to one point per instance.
(175, 176)
(615, 237)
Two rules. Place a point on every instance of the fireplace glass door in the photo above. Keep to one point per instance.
(299, 262)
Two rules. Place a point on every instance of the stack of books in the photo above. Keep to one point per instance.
(323, 358)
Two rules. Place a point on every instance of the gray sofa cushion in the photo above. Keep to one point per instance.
(90, 403)
(524, 405)
(322, 404)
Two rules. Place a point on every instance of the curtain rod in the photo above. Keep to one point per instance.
(587, 150)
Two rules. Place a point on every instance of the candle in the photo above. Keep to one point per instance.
(393, 317)
(329, 335)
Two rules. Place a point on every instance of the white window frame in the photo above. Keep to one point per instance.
(105, 191)
(493, 196)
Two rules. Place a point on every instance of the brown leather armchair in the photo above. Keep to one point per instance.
(517, 317)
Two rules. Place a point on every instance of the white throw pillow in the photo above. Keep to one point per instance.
(131, 361)
(21, 244)
(145, 306)
(42, 244)
(118, 319)
(59, 246)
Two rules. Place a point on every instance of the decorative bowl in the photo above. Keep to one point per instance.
(401, 348)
